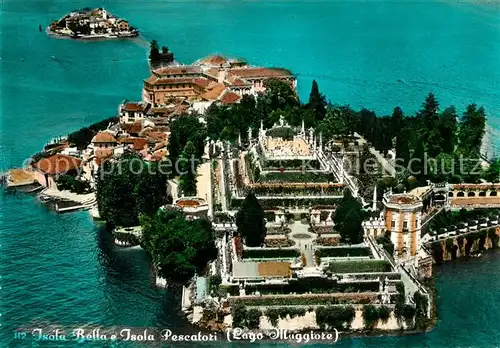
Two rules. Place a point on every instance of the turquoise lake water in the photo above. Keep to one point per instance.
(62, 270)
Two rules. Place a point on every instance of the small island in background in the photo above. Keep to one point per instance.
(92, 24)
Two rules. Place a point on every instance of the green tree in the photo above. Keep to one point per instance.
(166, 55)
(472, 129)
(154, 52)
(448, 126)
(339, 121)
(188, 164)
(317, 102)
(382, 138)
(184, 129)
(492, 174)
(127, 188)
(278, 96)
(250, 221)
(418, 162)
(347, 204)
(402, 149)
(179, 247)
(397, 120)
(429, 112)
(351, 230)
(367, 125)
(441, 168)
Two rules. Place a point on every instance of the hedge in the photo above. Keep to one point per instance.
(313, 285)
(270, 253)
(304, 190)
(372, 314)
(291, 164)
(297, 177)
(363, 266)
(300, 301)
(334, 317)
(342, 252)
(375, 276)
(273, 314)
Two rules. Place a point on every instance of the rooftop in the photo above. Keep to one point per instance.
(403, 198)
(254, 72)
(103, 137)
(213, 91)
(213, 59)
(132, 128)
(133, 107)
(230, 98)
(58, 164)
(177, 70)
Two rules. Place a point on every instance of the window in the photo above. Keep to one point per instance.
(393, 224)
(405, 225)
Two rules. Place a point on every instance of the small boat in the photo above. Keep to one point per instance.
(40, 28)
(45, 199)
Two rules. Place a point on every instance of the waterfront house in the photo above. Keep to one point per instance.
(131, 112)
(123, 25)
(47, 170)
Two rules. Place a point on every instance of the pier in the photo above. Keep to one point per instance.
(18, 178)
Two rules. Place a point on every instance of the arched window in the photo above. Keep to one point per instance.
(450, 194)
(439, 197)
(493, 193)
(460, 194)
(471, 194)
(482, 194)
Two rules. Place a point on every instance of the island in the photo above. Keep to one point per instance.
(271, 213)
(90, 23)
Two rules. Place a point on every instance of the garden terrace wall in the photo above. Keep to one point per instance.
(371, 276)
(278, 230)
(297, 177)
(296, 189)
(305, 300)
(296, 164)
(313, 285)
(286, 133)
(268, 253)
(362, 266)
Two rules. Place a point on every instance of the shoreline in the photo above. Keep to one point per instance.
(95, 37)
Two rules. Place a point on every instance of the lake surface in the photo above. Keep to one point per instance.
(63, 270)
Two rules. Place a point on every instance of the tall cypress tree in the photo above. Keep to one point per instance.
(402, 148)
(448, 125)
(472, 129)
(317, 102)
(189, 165)
(397, 121)
(429, 111)
(250, 221)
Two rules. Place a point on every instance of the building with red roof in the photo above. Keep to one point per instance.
(47, 170)
(207, 79)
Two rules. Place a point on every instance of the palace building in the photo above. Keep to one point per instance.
(214, 78)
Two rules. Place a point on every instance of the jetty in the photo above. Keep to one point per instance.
(21, 178)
